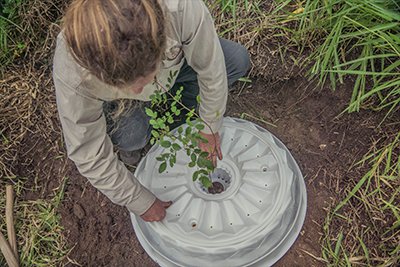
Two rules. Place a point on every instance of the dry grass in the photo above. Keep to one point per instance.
(363, 229)
(27, 118)
(262, 27)
(31, 136)
(28, 111)
(39, 232)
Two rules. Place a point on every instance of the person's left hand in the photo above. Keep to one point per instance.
(213, 147)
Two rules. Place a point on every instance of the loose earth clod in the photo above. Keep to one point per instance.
(216, 188)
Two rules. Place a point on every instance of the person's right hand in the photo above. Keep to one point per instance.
(156, 212)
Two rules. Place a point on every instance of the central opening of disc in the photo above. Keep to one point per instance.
(220, 179)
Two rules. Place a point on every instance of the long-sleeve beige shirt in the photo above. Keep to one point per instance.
(191, 36)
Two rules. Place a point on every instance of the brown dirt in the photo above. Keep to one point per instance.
(101, 232)
(325, 147)
(216, 188)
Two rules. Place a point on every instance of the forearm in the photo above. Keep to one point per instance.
(204, 54)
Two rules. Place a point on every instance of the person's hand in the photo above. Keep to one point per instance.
(213, 147)
(156, 212)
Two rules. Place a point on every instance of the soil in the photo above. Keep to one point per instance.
(216, 188)
(304, 118)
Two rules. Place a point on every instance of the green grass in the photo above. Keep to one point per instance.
(232, 15)
(38, 229)
(27, 30)
(347, 38)
(360, 39)
(233, 7)
(364, 227)
(9, 46)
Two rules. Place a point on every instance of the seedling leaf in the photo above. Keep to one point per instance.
(165, 143)
(163, 167)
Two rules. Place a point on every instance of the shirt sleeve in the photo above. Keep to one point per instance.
(89, 146)
(204, 54)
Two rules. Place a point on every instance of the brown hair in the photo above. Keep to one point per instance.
(117, 41)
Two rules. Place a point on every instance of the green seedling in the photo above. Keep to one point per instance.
(165, 112)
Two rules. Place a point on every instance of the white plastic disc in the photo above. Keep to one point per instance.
(252, 222)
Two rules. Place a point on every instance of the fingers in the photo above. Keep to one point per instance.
(213, 147)
(219, 152)
(157, 211)
(212, 156)
(214, 160)
(166, 204)
(161, 217)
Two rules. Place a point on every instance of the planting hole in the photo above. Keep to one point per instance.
(216, 188)
(220, 182)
